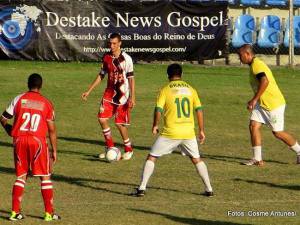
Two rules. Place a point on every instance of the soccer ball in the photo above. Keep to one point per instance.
(113, 154)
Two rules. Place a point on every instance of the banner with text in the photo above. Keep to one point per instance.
(79, 30)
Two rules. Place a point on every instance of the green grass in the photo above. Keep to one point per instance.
(89, 191)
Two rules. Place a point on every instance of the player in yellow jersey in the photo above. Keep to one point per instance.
(177, 102)
(267, 106)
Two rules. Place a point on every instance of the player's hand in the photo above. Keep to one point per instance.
(54, 157)
(85, 95)
(155, 130)
(131, 103)
(201, 137)
(251, 104)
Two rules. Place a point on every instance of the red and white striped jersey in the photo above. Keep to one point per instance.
(119, 70)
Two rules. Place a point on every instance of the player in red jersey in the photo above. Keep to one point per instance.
(119, 95)
(33, 119)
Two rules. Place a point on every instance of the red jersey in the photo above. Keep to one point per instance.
(119, 70)
(31, 111)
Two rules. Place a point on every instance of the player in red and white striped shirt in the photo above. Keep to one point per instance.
(33, 118)
(119, 95)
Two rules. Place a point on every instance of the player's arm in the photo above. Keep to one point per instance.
(200, 119)
(53, 139)
(161, 99)
(263, 84)
(96, 82)
(131, 100)
(199, 114)
(131, 81)
(156, 119)
(4, 119)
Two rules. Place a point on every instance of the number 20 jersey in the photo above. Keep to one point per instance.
(177, 101)
(31, 111)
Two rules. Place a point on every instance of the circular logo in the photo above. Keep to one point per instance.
(16, 30)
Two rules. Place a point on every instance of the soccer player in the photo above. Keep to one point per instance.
(267, 106)
(176, 102)
(119, 95)
(33, 119)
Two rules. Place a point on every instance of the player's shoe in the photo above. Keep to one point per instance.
(16, 216)
(254, 162)
(138, 193)
(298, 159)
(127, 155)
(208, 193)
(103, 155)
(50, 217)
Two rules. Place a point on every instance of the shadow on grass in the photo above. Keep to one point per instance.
(94, 183)
(98, 142)
(25, 215)
(5, 144)
(185, 220)
(238, 160)
(289, 187)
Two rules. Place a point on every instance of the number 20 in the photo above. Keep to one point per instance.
(34, 121)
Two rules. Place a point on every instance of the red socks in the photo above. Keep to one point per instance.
(127, 146)
(17, 193)
(47, 193)
(108, 138)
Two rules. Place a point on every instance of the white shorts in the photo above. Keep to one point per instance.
(274, 118)
(164, 146)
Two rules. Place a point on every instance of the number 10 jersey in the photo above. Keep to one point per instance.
(177, 101)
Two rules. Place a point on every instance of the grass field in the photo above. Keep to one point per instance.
(90, 191)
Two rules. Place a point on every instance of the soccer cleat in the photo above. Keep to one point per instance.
(138, 193)
(254, 162)
(16, 216)
(127, 155)
(49, 217)
(298, 159)
(102, 155)
(208, 194)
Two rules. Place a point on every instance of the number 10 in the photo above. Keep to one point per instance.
(183, 107)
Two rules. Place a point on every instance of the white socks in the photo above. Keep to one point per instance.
(257, 153)
(296, 148)
(202, 171)
(148, 170)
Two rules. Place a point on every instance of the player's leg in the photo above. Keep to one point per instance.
(40, 162)
(122, 120)
(146, 174)
(106, 111)
(190, 148)
(162, 146)
(255, 135)
(203, 173)
(257, 118)
(47, 194)
(277, 125)
(17, 196)
(21, 166)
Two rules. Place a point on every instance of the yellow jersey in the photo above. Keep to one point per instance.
(272, 97)
(177, 102)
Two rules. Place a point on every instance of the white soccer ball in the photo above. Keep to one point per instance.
(113, 154)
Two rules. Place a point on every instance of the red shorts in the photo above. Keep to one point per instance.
(31, 153)
(121, 112)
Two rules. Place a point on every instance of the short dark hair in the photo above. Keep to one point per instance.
(35, 81)
(247, 48)
(115, 35)
(174, 70)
